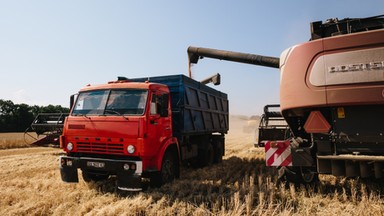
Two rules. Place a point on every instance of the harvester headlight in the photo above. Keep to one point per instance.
(69, 146)
(131, 149)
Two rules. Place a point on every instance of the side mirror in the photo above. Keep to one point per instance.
(72, 101)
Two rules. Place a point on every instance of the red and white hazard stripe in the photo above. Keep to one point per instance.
(278, 153)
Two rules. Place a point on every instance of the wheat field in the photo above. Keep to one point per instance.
(241, 185)
(16, 140)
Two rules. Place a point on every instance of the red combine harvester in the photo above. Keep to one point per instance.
(332, 98)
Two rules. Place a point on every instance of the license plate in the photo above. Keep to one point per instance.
(96, 164)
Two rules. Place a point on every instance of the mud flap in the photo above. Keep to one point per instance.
(128, 182)
(302, 157)
(69, 174)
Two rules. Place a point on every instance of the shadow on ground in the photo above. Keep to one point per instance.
(218, 185)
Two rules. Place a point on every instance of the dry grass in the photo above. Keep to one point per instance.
(16, 140)
(241, 185)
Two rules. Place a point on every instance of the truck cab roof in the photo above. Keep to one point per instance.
(126, 84)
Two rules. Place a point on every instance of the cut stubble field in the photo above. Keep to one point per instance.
(240, 185)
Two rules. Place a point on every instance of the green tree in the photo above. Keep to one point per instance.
(6, 115)
(18, 117)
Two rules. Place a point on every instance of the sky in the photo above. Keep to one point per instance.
(51, 49)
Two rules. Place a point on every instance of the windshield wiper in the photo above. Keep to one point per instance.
(115, 112)
(84, 115)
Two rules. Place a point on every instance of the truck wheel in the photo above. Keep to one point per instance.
(218, 154)
(206, 156)
(168, 170)
(88, 177)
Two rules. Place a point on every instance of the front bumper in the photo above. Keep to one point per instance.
(128, 172)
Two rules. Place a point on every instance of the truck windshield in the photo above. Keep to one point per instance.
(111, 102)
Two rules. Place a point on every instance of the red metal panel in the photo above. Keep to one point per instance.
(295, 91)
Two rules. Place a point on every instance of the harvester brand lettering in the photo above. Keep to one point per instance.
(357, 67)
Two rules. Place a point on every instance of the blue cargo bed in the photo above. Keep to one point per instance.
(196, 108)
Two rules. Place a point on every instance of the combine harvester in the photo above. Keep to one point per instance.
(48, 128)
(332, 98)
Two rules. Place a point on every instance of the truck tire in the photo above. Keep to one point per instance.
(206, 156)
(168, 172)
(88, 176)
(209, 155)
(218, 154)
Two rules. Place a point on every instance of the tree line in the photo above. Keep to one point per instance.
(18, 117)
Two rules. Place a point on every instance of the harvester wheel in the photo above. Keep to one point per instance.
(88, 177)
(300, 175)
(308, 175)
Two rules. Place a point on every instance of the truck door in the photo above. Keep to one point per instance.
(159, 125)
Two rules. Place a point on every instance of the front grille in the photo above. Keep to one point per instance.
(107, 148)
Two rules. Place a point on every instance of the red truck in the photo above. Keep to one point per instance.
(331, 97)
(142, 129)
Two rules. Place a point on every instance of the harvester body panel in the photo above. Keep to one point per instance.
(335, 71)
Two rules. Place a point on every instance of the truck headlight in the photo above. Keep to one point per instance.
(131, 149)
(69, 146)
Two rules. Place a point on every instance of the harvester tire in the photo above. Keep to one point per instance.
(300, 175)
(308, 175)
